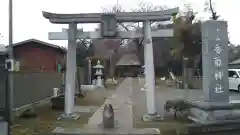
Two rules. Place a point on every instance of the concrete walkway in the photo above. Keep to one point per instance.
(122, 105)
(121, 101)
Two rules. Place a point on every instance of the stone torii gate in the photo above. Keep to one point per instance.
(109, 30)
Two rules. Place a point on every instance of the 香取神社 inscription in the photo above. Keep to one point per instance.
(215, 61)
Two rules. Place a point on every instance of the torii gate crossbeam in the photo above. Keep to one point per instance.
(108, 29)
(120, 16)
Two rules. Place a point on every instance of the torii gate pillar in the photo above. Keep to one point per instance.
(149, 68)
(70, 71)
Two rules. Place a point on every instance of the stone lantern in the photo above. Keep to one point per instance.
(99, 74)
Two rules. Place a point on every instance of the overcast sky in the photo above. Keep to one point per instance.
(29, 23)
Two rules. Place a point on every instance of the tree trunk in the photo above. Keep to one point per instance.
(112, 64)
(190, 74)
(190, 77)
(196, 61)
(184, 74)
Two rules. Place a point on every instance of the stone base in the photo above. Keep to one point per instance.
(205, 117)
(219, 127)
(152, 117)
(73, 116)
(214, 117)
(122, 131)
(58, 103)
(100, 86)
(30, 113)
(207, 113)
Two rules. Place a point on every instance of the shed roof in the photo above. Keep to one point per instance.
(40, 42)
(3, 50)
(128, 60)
(235, 62)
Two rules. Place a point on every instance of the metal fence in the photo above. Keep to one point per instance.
(33, 87)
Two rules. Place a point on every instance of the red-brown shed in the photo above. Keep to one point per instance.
(38, 56)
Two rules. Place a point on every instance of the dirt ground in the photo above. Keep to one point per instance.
(169, 125)
(46, 119)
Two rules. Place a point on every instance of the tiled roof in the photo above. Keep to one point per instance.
(40, 42)
(128, 59)
(235, 62)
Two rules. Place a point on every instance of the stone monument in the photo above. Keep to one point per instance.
(216, 106)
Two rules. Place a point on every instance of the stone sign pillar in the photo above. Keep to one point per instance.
(215, 61)
(216, 106)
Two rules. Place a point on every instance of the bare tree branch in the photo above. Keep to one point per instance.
(214, 14)
(149, 7)
(125, 27)
(210, 8)
(142, 7)
(113, 9)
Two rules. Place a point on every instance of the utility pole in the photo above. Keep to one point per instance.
(117, 7)
(10, 54)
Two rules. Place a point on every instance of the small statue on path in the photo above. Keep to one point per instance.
(108, 117)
